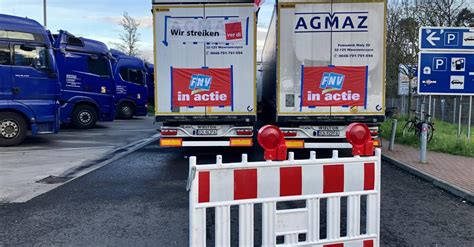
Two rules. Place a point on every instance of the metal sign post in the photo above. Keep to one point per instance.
(429, 104)
(423, 142)
(460, 117)
(391, 145)
(469, 121)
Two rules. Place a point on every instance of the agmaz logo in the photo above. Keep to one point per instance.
(200, 83)
(332, 22)
(331, 82)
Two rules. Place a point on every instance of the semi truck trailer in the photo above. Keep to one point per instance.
(87, 81)
(324, 68)
(131, 94)
(29, 86)
(205, 73)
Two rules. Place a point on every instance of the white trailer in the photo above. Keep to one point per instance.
(205, 72)
(323, 68)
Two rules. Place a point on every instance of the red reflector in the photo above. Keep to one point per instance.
(167, 132)
(289, 133)
(244, 132)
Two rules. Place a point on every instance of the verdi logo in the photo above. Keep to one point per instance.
(331, 82)
(200, 83)
(233, 30)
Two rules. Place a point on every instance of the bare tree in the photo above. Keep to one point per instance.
(404, 18)
(129, 37)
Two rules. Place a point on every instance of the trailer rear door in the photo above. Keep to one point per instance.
(331, 58)
(204, 59)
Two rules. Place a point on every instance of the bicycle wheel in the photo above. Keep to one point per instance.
(409, 127)
(430, 132)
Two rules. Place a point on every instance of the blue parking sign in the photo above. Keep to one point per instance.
(446, 73)
(446, 38)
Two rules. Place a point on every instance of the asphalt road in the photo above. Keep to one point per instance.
(140, 200)
(68, 154)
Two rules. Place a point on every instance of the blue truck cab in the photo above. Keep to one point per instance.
(150, 82)
(87, 81)
(29, 87)
(130, 77)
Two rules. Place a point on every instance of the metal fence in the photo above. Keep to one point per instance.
(449, 109)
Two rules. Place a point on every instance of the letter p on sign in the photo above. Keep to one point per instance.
(451, 39)
(440, 64)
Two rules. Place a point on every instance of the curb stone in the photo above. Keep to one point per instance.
(453, 189)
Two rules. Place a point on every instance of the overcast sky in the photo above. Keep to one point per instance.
(98, 19)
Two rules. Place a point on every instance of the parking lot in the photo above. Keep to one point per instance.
(43, 163)
(141, 200)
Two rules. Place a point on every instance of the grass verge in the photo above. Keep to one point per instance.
(151, 110)
(445, 139)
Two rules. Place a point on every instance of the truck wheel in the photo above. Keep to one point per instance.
(13, 128)
(84, 117)
(125, 111)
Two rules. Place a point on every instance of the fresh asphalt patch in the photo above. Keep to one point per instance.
(141, 200)
(46, 162)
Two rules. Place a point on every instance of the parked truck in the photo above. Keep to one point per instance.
(87, 81)
(131, 89)
(324, 68)
(205, 56)
(150, 83)
(29, 87)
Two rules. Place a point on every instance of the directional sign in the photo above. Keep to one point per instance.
(446, 38)
(403, 78)
(446, 73)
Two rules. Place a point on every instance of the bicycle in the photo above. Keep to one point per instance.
(415, 125)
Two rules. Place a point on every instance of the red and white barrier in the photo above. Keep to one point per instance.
(312, 180)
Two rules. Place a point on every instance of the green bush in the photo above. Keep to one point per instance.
(444, 140)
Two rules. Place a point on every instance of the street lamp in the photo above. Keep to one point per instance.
(44, 13)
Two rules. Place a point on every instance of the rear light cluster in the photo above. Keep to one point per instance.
(244, 132)
(289, 133)
(169, 132)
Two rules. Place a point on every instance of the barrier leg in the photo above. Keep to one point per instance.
(353, 216)
(222, 226)
(372, 214)
(333, 217)
(246, 225)
(291, 239)
(268, 224)
(313, 222)
(197, 217)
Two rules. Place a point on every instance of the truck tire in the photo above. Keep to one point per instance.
(84, 117)
(13, 129)
(126, 111)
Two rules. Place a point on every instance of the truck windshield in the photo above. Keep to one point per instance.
(132, 75)
(36, 56)
(16, 35)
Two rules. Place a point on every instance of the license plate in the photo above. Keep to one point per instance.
(329, 132)
(201, 132)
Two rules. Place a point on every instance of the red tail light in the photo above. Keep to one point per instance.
(244, 132)
(169, 132)
(289, 133)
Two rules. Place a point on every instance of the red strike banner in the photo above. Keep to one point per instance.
(334, 86)
(202, 87)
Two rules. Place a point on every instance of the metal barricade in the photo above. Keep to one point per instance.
(355, 181)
